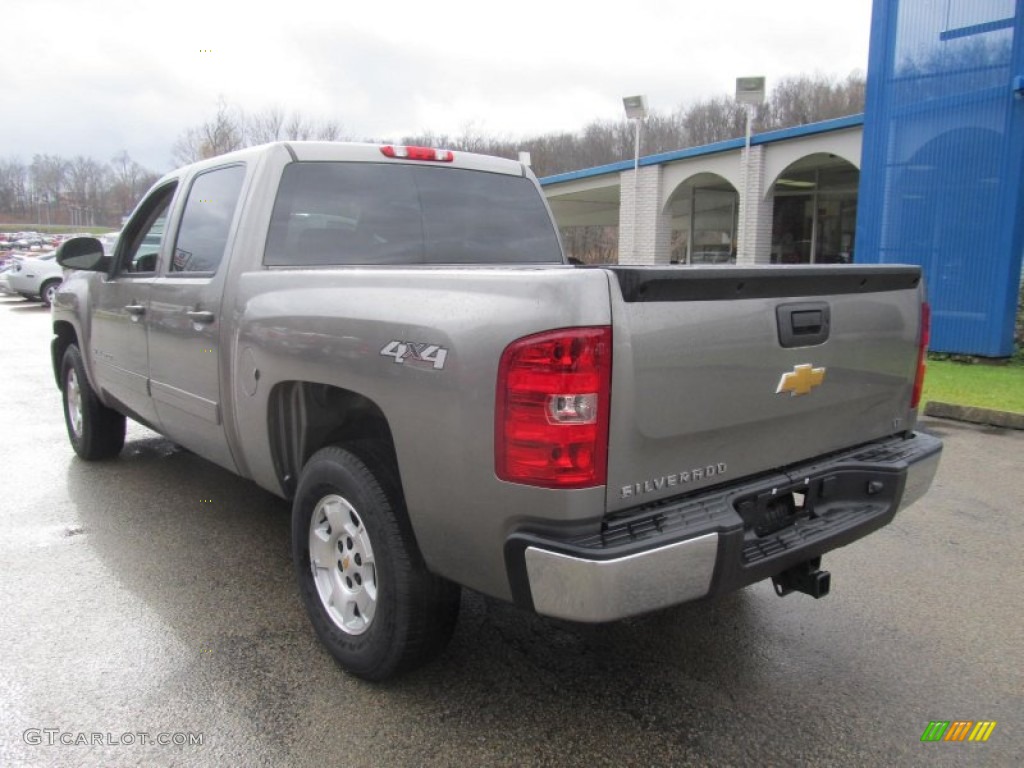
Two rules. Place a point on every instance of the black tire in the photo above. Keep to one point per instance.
(49, 291)
(95, 431)
(412, 613)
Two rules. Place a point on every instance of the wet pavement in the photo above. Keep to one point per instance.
(150, 599)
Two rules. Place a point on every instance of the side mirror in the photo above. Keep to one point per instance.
(83, 253)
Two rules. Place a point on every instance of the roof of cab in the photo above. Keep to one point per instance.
(338, 151)
(344, 151)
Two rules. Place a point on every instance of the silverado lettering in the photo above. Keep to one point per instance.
(668, 481)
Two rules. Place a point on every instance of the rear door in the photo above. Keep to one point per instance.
(117, 340)
(720, 373)
(184, 317)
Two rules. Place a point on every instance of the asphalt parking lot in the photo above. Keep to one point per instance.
(151, 599)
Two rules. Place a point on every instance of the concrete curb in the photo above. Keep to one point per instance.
(1005, 419)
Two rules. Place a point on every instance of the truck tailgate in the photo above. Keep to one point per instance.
(721, 373)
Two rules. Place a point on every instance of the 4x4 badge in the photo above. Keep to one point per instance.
(800, 380)
(411, 352)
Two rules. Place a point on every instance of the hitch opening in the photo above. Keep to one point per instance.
(807, 577)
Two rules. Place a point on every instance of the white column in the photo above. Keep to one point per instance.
(754, 239)
(645, 233)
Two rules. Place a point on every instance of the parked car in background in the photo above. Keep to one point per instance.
(5, 285)
(36, 277)
(109, 241)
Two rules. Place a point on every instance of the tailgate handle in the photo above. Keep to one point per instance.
(808, 321)
(803, 325)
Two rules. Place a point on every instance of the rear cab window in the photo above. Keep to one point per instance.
(345, 213)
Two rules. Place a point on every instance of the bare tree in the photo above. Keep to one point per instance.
(128, 180)
(49, 175)
(298, 128)
(329, 130)
(713, 120)
(222, 134)
(86, 183)
(14, 190)
(263, 127)
(808, 99)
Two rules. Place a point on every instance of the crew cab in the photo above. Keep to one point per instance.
(392, 339)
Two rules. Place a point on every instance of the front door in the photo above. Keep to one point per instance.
(184, 318)
(118, 344)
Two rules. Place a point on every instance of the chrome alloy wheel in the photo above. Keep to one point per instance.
(341, 558)
(74, 398)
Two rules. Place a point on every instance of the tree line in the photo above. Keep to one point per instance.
(83, 191)
(793, 101)
(79, 191)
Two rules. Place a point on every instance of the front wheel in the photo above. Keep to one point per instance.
(95, 431)
(369, 597)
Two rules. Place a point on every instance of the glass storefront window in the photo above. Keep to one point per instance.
(704, 222)
(815, 212)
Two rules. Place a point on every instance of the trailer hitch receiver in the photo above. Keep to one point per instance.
(807, 577)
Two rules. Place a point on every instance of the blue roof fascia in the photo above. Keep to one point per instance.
(836, 124)
(600, 170)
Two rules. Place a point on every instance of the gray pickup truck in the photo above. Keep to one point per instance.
(391, 338)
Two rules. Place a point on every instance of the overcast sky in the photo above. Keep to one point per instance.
(96, 78)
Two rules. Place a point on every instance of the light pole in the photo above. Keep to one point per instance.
(636, 110)
(749, 93)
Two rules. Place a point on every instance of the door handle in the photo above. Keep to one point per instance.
(135, 309)
(201, 316)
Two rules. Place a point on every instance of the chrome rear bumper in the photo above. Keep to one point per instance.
(710, 543)
(571, 587)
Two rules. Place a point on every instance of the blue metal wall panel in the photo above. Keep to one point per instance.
(942, 180)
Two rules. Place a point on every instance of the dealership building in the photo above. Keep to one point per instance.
(932, 174)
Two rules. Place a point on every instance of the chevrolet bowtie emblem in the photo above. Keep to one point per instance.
(800, 380)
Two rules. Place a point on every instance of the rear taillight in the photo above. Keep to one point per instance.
(552, 405)
(418, 153)
(922, 352)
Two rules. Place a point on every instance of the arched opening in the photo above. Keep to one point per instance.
(704, 210)
(814, 215)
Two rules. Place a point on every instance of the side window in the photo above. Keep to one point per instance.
(206, 221)
(144, 234)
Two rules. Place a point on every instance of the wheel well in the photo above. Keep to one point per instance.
(303, 417)
(64, 337)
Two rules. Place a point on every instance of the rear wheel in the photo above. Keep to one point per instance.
(95, 431)
(369, 597)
